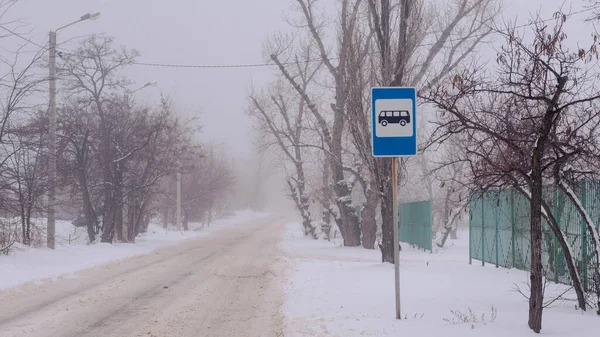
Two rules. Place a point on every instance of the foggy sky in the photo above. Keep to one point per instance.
(197, 32)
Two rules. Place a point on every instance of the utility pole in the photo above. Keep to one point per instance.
(51, 230)
(178, 214)
(51, 224)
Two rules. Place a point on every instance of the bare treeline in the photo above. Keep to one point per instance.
(524, 116)
(317, 113)
(117, 159)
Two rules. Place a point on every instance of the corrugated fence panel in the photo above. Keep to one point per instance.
(416, 224)
(500, 233)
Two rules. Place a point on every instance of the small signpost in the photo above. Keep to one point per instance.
(394, 134)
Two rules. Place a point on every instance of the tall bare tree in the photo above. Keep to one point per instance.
(413, 53)
(333, 132)
(282, 117)
(516, 126)
(92, 74)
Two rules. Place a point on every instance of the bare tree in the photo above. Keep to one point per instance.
(515, 126)
(118, 151)
(92, 74)
(206, 181)
(454, 191)
(25, 173)
(78, 167)
(412, 53)
(20, 148)
(333, 132)
(282, 117)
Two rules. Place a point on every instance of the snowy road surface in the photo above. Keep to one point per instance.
(227, 284)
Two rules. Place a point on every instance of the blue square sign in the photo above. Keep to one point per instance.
(394, 122)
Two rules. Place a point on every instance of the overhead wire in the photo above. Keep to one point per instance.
(271, 64)
(22, 37)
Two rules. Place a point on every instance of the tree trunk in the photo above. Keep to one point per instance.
(326, 201)
(88, 209)
(350, 226)
(139, 219)
(165, 217)
(23, 224)
(536, 183)
(185, 220)
(302, 205)
(28, 224)
(131, 215)
(108, 233)
(302, 201)
(449, 226)
(536, 297)
(343, 192)
(119, 220)
(368, 222)
(118, 202)
(326, 222)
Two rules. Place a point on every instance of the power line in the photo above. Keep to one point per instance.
(270, 64)
(21, 37)
(256, 65)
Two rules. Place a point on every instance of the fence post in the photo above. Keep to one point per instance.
(499, 199)
(584, 250)
(429, 228)
(471, 230)
(482, 229)
(512, 224)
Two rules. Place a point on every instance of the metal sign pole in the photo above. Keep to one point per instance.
(396, 236)
(393, 135)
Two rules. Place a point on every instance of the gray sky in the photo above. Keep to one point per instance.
(180, 32)
(197, 32)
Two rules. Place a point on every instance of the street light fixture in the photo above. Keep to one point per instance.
(129, 92)
(51, 224)
(87, 16)
(90, 16)
(149, 84)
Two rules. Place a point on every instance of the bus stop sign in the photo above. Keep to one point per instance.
(394, 122)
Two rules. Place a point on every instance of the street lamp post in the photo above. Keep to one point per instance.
(51, 225)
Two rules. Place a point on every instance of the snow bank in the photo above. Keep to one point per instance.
(334, 291)
(72, 253)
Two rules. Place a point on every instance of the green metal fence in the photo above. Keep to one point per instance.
(415, 224)
(499, 231)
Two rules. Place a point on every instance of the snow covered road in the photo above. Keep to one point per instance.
(226, 284)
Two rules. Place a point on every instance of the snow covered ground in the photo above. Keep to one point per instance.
(335, 291)
(72, 254)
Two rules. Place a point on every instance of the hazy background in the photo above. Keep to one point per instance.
(200, 32)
